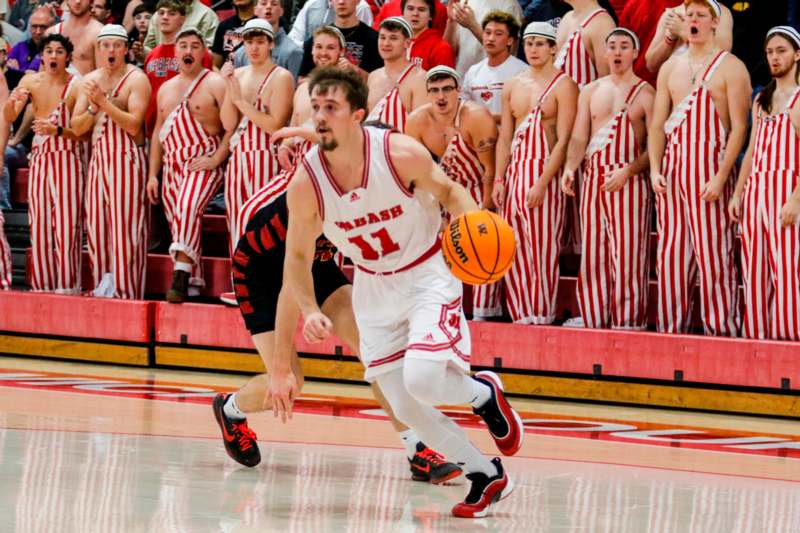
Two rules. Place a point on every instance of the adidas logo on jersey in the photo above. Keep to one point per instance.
(354, 197)
(427, 338)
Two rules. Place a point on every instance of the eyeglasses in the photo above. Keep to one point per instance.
(444, 90)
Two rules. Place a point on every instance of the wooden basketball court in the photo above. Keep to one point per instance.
(86, 447)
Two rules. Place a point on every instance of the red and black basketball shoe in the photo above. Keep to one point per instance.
(503, 421)
(485, 491)
(429, 466)
(240, 440)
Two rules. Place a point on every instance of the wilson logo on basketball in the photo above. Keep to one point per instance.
(455, 239)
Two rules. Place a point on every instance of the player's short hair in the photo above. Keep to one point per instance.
(63, 40)
(624, 32)
(144, 7)
(172, 5)
(328, 78)
(502, 17)
(331, 32)
(431, 9)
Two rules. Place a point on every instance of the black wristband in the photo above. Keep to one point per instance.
(59, 131)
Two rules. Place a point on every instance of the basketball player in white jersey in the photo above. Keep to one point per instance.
(462, 135)
(581, 41)
(398, 87)
(767, 198)
(191, 144)
(672, 34)
(539, 108)
(698, 129)
(356, 185)
(56, 179)
(81, 28)
(258, 102)
(610, 141)
(112, 105)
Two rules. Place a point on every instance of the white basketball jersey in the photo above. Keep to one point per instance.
(380, 225)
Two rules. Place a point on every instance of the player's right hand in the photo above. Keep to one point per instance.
(282, 391)
(317, 327)
(152, 190)
(659, 182)
(735, 208)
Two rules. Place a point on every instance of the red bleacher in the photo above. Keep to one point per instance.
(632, 355)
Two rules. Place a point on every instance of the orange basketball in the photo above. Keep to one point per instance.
(478, 247)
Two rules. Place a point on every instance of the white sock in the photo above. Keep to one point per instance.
(481, 393)
(231, 410)
(183, 267)
(410, 440)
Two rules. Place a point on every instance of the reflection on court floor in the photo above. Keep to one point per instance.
(86, 461)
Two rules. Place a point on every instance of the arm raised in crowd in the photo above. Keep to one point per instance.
(17, 100)
(566, 95)
(279, 94)
(672, 31)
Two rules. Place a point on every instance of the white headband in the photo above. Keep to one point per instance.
(400, 21)
(786, 31)
(627, 32)
(713, 4)
(444, 69)
(539, 29)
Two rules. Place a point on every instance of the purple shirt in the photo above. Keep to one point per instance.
(22, 52)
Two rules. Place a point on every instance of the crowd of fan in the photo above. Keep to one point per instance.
(479, 39)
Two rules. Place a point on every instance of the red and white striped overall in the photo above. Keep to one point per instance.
(575, 61)
(5, 257)
(574, 58)
(694, 233)
(771, 252)
(55, 206)
(116, 207)
(264, 196)
(186, 192)
(532, 282)
(462, 165)
(251, 164)
(390, 109)
(612, 282)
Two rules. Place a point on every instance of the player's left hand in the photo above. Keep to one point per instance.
(711, 191)
(317, 327)
(204, 162)
(616, 181)
(790, 212)
(283, 389)
(535, 195)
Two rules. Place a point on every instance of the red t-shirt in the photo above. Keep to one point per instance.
(392, 9)
(160, 66)
(433, 50)
(642, 16)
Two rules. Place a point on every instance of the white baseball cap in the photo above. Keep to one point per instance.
(444, 69)
(112, 31)
(539, 29)
(260, 26)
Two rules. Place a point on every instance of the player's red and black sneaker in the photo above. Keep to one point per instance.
(240, 440)
(429, 466)
(484, 492)
(504, 423)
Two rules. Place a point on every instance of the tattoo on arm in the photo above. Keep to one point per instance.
(485, 145)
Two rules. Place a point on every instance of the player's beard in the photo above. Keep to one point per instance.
(328, 146)
(783, 71)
